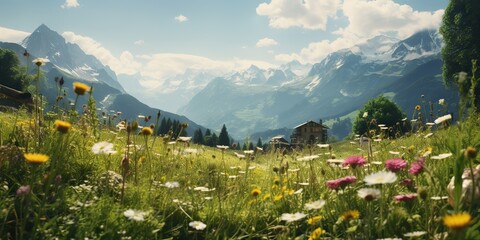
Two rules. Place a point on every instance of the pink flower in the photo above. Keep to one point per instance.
(23, 190)
(417, 167)
(341, 182)
(354, 161)
(405, 197)
(395, 165)
(406, 182)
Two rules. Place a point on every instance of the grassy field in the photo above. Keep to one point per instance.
(79, 179)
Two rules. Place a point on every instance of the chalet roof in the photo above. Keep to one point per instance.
(323, 126)
(279, 139)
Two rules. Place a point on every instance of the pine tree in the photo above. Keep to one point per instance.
(250, 146)
(214, 140)
(259, 143)
(223, 138)
(198, 137)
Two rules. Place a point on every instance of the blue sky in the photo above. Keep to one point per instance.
(154, 39)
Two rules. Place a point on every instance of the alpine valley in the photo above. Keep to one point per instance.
(256, 101)
(261, 103)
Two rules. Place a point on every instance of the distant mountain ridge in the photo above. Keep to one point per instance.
(336, 86)
(69, 61)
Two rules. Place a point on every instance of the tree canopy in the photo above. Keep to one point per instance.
(379, 110)
(461, 34)
(11, 73)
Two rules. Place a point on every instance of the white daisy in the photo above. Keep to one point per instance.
(382, 177)
(292, 217)
(135, 215)
(315, 205)
(308, 158)
(415, 234)
(368, 194)
(443, 119)
(172, 184)
(442, 156)
(103, 148)
(197, 225)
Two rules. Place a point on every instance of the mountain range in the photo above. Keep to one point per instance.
(403, 70)
(69, 61)
(255, 101)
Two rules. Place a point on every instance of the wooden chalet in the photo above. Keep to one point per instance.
(10, 97)
(310, 132)
(279, 142)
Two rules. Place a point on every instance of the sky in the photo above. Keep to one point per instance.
(156, 39)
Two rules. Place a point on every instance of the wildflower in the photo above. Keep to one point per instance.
(457, 221)
(248, 151)
(35, 157)
(315, 205)
(40, 61)
(314, 220)
(62, 126)
(405, 197)
(341, 182)
(470, 153)
(354, 161)
(184, 139)
(395, 165)
(308, 158)
(352, 214)
(365, 114)
(443, 119)
(146, 131)
(23, 190)
(223, 147)
(197, 225)
(417, 167)
(441, 101)
(369, 194)
(418, 108)
(382, 177)
(255, 192)
(135, 215)
(172, 184)
(277, 197)
(442, 156)
(103, 148)
(80, 88)
(316, 234)
(415, 234)
(292, 217)
(266, 197)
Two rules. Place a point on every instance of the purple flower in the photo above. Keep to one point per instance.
(405, 197)
(417, 167)
(395, 164)
(23, 191)
(354, 161)
(341, 182)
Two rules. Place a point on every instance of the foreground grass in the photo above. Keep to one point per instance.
(149, 187)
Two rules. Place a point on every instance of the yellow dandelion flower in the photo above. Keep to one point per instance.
(80, 88)
(411, 148)
(62, 126)
(266, 197)
(255, 192)
(35, 157)
(457, 221)
(314, 220)
(276, 181)
(418, 107)
(288, 191)
(274, 187)
(277, 197)
(316, 234)
(146, 131)
(352, 214)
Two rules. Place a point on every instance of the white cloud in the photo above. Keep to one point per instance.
(70, 4)
(309, 14)
(139, 42)
(124, 64)
(266, 42)
(12, 35)
(366, 19)
(181, 18)
(371, 18)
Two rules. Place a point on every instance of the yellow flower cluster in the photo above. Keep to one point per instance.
(35, 158)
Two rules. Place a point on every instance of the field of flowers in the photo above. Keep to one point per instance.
(67, 175)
